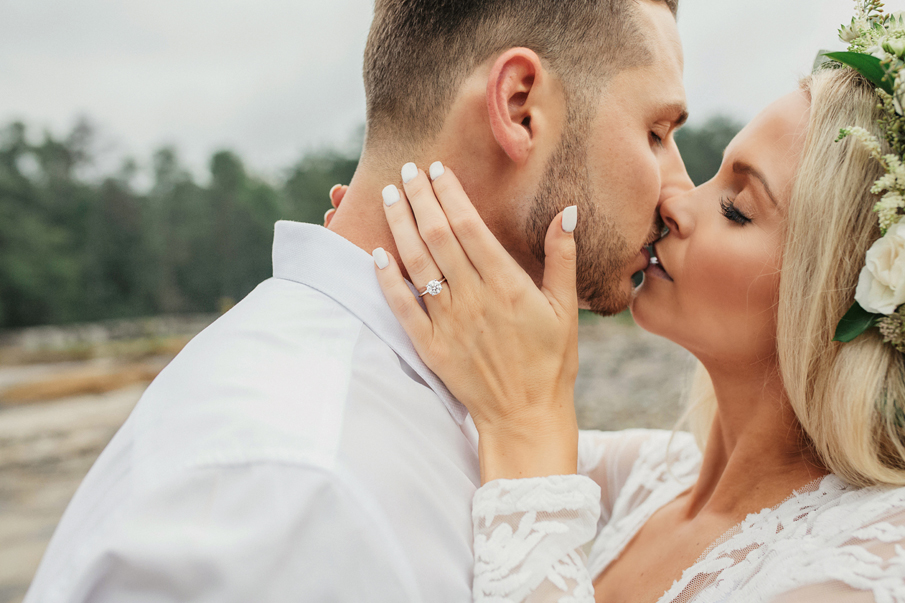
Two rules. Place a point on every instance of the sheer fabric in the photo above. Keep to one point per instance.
(528, 539)
(827, 542)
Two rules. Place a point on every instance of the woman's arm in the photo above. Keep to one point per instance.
(508, 351)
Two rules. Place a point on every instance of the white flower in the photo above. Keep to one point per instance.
(896, 21)
(898, 95)
(877, 51)
(881, 286)
(895, 168)
(894, 46)
(885, 183)
(893, 179)
(888, 209)
(849, 34)
(870, 142)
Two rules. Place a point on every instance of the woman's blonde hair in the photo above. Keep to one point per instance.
(845, 396)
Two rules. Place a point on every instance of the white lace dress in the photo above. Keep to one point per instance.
(828, 542)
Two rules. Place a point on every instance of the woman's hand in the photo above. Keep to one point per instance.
(336, 196)
(505, 349)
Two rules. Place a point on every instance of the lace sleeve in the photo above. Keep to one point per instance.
(528, 539)
(608, 457)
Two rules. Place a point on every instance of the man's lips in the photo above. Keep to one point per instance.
(652, 239)
(656, 267)
(642, 261)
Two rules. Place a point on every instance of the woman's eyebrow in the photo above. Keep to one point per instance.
(744, 169)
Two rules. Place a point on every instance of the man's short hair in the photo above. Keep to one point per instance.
(419, 52)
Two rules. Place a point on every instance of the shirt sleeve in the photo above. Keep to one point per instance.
(528, 539)
(258, 532)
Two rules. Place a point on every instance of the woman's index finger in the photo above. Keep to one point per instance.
(479, 243)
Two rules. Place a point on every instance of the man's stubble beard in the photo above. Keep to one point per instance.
(603, 252)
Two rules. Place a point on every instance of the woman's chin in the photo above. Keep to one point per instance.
(647, 311)
(657, 314)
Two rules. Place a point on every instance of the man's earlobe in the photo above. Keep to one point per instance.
(513, 79)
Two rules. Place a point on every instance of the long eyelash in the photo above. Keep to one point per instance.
(657, 138)
(732, 212)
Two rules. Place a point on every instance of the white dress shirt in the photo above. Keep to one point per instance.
(296, 450)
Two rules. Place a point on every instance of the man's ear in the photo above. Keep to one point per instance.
(512, 100)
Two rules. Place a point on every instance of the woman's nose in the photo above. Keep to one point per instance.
(677, 215)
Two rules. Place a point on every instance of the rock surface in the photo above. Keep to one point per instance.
(45, 451)
(628, 378)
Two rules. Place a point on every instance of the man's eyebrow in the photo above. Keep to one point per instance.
(679, 109)
(746, 170)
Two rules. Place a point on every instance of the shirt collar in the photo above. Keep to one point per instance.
(323, 260)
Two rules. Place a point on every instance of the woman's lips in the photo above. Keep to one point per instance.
(656, 267)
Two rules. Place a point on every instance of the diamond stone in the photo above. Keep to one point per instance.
(434, 288)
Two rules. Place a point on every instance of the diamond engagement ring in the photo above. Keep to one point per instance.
(433, 287)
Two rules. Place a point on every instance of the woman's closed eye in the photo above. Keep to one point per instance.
(732, 212)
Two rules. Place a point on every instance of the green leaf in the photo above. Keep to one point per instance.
(856, 321)
(867, 65)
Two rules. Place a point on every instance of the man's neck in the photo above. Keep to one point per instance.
(485, 175)
(360, 217)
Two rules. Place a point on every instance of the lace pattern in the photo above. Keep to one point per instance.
(829, 533)
(666, 467)
(829, 541)
(818, 535)
(528, 539)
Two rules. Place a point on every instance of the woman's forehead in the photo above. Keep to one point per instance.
(774, 140)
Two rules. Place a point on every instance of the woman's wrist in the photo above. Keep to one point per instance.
(550, 450)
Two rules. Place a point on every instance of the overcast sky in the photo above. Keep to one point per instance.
(274, 78)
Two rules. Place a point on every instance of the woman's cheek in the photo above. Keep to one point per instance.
(735, 292)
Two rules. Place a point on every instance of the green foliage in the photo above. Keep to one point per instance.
(856, 321)
(867, 65)
(702, 147)
(73, 249)
(307, 184)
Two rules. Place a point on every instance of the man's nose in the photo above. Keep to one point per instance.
(675, 214)
(674, 178)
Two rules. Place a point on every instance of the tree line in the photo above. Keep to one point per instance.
(76, 248)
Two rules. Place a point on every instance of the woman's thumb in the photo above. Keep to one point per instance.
(560, 262)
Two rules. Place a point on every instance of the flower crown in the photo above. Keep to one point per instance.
(876, 50)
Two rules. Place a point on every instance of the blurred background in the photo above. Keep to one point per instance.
(146, 149)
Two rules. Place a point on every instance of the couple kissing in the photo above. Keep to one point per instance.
(390, 418)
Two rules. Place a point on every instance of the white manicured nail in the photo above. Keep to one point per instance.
(570, 218)
(381, 258)
(436, 170)
(409, 172)
(391, 195)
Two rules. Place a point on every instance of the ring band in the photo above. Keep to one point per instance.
(433, 288)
